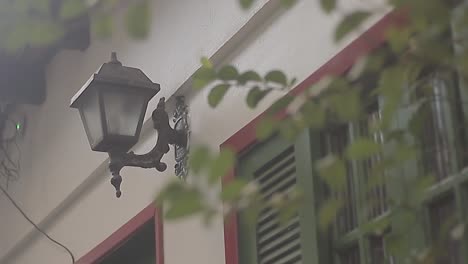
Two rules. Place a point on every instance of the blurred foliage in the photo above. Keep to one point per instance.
(43, 23)
(416, 52)
(229, 77)
(433, 41)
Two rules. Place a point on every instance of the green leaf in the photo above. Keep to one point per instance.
(280, 104)
(246, 4)
(40, 6)
(398, 38)
(71, 9)
(404, 215)
(289, 129)
(362, 148)
(288, 212)
(288, 3)
(251, 214)
(170, 192)
(102, 25)
(349, 23)
(396, 244)
(15, 40)
(199, 158)
(419, 189)
(413, 70)
(435, 11)
(217, 93)
(378, 168)
(228, 73)
(186, 204)
(328, 212)
(391, 84)
(328, 5)
(333, 171)
(313, 114)
(405, 153)
(378, 226)
(266, 127)
(375, 180)
(418, 121)
(376, 60)
(277, 77)
(202, 77)
(396, 134)
(138, 19)
(346, 104)
(221, 165)
(255, 95)
(206, 63)
(434, 50)
(232, 190)
(249, 76)
(43, 33)
(334, 85)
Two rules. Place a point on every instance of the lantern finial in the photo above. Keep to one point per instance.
(114, 59)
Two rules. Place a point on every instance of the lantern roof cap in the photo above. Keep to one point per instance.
(114, 73)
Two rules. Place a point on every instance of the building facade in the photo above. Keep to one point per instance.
(64, 186)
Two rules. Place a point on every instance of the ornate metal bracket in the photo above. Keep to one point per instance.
(177, 136)
(181, 123)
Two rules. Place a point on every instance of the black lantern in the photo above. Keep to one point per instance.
(112, 106)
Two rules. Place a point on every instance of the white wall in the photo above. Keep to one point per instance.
(64, 184)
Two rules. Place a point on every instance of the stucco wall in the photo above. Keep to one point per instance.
(64, 184)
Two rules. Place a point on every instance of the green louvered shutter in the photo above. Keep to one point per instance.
(279, 167)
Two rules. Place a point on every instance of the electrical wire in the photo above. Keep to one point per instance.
(35, 226)
(9, 169)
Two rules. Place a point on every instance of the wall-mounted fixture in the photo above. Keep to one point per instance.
(112, 106)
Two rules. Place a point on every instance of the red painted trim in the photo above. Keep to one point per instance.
(231, 238)
(338, 65)
(159, 235)
(115, 240)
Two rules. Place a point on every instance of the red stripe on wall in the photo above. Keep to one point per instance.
(230, 231)
(158, 216)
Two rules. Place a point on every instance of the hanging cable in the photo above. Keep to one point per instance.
(9, 168)
(35, 226)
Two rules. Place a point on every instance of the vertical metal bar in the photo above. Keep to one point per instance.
(353, 183)
(440, 128)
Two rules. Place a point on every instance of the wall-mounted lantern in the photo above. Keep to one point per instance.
(112, 106)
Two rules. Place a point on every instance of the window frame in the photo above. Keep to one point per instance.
(359, 236)
(456, 185)
(245, 138)
(116, 239)
(453, 183)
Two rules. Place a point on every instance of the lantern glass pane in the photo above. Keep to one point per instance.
(123, 112)
(91, 116)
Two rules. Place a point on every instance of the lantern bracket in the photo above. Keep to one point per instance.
(166, 136)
